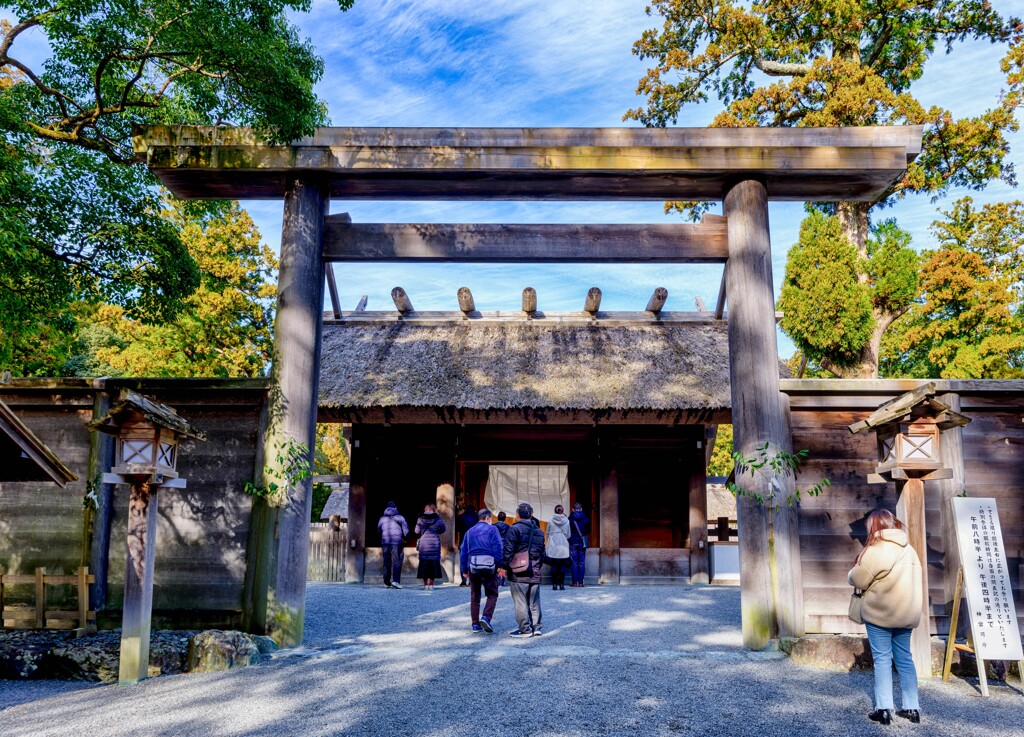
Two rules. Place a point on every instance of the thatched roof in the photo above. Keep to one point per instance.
(24, 457)
(520, 364)
(337, 503)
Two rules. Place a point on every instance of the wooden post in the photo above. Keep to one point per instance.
(101, 458)
(757, 414)
(952, 453)
(83, 598)
(356, 559)
(657, 300)
(529, 300)
(295, 380)
(699, 567)
(40, 599)
(722, 531)
(465, 297)
(402, 302)
(593, 301)
(445, 502)
(910, 511)
(138, 583)
(789, 589)
(609, 499)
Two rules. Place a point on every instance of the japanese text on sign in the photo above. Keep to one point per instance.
(987, 580)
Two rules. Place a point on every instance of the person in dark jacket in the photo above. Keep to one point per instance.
(503, 528)
(463, 522)
(579, 533)
(527, 535)
(393, 529)
(429, 527)
(480, 554)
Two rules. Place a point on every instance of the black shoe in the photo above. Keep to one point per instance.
(882, 716)
(561, 588)
(912, 715)
(518, 633)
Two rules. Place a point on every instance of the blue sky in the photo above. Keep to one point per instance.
(531, 63)
(552, 63)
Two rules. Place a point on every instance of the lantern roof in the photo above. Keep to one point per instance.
(914, 405)
(24, 457)
(159, 414)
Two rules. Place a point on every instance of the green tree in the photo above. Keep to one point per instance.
(82, 219)
(331, 455)
(223, 329)
(836, 304)
(968, 322)
(721, 457)
(836, 63)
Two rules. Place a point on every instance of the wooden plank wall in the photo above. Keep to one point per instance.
(832, 526)
(41, 523)
(202, 531)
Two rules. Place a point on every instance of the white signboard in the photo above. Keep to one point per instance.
(987, 580)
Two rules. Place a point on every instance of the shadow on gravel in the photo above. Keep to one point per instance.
(634, 660)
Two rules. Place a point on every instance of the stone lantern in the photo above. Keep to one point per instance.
(147, 435)
(909, 433)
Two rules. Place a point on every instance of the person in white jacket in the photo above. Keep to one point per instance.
(556, 549)
(888, 571)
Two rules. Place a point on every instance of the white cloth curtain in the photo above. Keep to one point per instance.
(542, 487)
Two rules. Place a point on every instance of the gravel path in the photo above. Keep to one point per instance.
(643, 660)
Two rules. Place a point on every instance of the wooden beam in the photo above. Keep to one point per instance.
(529, 300)
(951, 444)
(608, 569)
(556, 163)
(332, 288)
(720, 307)
(657, 300)
(701, 307)
(466, 303)
(361, 305)
(530, 243)
(138, 583)
(593, 301)
(402, 302)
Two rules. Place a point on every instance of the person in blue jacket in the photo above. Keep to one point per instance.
(579, 532)
(480, 556)
(393, 530)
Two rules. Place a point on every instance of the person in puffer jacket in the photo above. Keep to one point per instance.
(525, 535)
(429, 527)
(393, 529)
(556, 549)
(579, 532)
(888, 571)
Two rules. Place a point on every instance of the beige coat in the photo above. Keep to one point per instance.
(889, 573)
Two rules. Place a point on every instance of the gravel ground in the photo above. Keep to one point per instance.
(643, 660)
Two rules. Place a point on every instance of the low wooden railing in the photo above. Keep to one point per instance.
(327, 550)
(38, 616)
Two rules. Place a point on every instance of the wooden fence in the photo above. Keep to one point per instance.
(327, 549)
(38, 616)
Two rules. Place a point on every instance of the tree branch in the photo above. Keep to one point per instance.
(781, 68)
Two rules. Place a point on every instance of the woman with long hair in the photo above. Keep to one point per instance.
(429, 527)
(888, 571)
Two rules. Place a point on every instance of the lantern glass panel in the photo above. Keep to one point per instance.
(887, 447)
(918, 447)
(166, 455)
(136, 451)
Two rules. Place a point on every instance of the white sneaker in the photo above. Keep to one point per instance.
(396, 585)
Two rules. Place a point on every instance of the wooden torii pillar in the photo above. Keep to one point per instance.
(771, 605)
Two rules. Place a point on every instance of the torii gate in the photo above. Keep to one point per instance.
(743, 167)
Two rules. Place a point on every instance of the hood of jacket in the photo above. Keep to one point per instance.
(893, 535)
(391, 510)
(559, 519)
(429, 516)
(578, 516)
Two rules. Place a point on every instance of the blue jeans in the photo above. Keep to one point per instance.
(888, 644)
(392, 557)
(578, 553)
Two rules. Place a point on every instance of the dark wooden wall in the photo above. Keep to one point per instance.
(832, 527)
(202, 534)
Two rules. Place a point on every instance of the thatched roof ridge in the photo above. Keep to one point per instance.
(513, 365)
